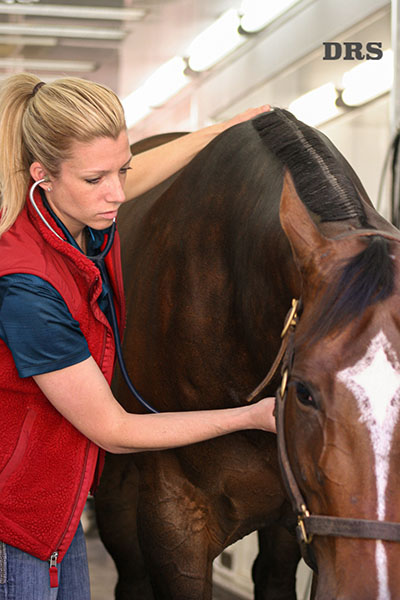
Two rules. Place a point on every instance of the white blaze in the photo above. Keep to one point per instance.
(375, 382)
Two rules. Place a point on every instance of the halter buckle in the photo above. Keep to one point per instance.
(307, 539)
(291, 318)
(284, 382)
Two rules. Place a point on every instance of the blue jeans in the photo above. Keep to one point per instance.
(24, 577)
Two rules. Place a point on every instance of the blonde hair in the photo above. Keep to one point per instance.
(41, 124)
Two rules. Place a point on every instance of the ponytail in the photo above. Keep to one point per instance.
(15, 95)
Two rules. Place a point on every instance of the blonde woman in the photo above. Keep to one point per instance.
(65, 169)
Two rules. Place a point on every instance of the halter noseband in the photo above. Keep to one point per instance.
(309, 525)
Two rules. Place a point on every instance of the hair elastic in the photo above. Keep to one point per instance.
(37, 87)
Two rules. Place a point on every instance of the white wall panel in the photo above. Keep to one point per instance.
(264, 57)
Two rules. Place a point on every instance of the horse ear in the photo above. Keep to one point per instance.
(301, 231)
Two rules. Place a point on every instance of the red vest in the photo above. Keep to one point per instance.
(47, 467)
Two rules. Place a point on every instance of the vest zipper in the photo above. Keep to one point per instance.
(53, 569)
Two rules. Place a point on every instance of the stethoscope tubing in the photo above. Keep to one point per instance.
(118, 346)
(99, 261)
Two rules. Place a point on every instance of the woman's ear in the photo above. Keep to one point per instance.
(38, 172)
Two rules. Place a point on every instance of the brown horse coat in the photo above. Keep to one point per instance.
(209, 276)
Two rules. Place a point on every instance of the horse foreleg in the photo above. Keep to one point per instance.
(180, 571)
(116, 505)
(173, 527)
(274, 570)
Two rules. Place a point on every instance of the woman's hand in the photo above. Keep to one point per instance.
(264, 414)
(248, 114)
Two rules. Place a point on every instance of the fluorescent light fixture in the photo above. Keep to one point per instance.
(164, 83)
(37, 64)
(73, 12)
(368, 80)
(317, 106)
(61, 31)
(257, 14)
(135, 107)
(215, 42)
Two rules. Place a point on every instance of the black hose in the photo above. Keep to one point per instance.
(395, 189)
(112, 317)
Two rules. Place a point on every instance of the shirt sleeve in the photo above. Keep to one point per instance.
(37, 326)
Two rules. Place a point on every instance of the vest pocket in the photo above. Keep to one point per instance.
(20, 448)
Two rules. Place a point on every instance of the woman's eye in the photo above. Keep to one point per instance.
(304, 395)
(92, 181)
(124, 170)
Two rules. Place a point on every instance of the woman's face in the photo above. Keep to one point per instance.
(90, 186)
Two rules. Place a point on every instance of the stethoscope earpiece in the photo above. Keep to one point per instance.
(35, 206)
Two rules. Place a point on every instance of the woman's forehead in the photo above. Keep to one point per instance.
(102, 153)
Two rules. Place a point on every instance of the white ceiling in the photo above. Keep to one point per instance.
(274, 66)
(166, 30)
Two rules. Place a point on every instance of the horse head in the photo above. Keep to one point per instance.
(341, 442)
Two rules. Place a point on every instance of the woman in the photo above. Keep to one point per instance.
(65, 169)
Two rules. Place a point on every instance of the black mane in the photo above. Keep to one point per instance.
(366, 279)
(326, 189)
(317, 173)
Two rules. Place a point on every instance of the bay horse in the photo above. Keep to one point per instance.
(268, 211)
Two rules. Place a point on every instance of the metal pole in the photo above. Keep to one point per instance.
(395, 111)
(395, 94)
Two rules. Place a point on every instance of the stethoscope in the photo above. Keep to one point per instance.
(99, 261)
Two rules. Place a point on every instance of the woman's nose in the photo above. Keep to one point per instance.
(116, 192)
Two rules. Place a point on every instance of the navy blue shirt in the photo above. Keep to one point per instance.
(37, 327)
(35, 322)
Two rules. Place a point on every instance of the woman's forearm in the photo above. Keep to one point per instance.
(137, 433)
(82, 395)
(149, 168)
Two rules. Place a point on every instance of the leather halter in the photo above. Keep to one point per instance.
(309, 525)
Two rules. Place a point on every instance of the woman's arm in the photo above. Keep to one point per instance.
(153, 166)
(82, 395)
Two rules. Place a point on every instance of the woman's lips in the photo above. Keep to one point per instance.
(109, 215)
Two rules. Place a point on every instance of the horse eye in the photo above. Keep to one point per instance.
(304, 395)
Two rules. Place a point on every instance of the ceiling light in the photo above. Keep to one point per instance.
(135, 107)
(317, 106)
(74, 12)
(215, 42)
(165, 82)
(368, 80)
(47, 65)
(255, 14)
(61, 31)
